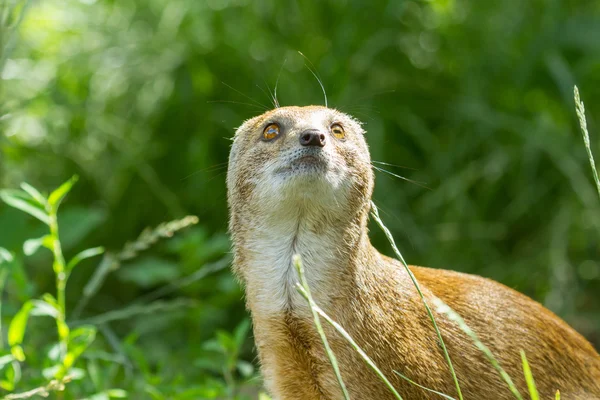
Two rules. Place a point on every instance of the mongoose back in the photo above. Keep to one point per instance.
(300, 181)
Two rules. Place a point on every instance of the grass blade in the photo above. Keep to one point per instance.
(529, 378)
(580, 109)
(306, 290)
(84, 255)
(388, 234)
(424, 387)
(24, 205)
(347, 336)
(443, 308)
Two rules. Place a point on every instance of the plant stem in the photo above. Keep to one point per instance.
(61, 281)
(306, 291)
(388, 234)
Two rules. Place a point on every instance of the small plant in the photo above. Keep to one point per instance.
(71, 343)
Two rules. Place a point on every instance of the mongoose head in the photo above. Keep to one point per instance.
(312, 160)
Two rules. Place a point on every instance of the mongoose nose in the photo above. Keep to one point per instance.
(312, 137)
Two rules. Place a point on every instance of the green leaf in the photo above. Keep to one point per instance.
(226, 342)
(48, 298)
(32, 245)
(246, 369)
(5, 360)
(16, 330)
(5, 256)
(12, 376)
(59, 194)
(35, 194)
(529, 378)
(82, 256)
(557, 397)
(116, 393)
(79, 341)
(14, 200)
(42, 308)
(241, 333)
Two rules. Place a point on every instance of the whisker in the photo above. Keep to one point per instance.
(360, 114)
(271, 92)
(269, 95)
(245, 95)
(393, 165)
(277, 83)
(212, 168)
(219, 174)
(315, 75)
(421, 184)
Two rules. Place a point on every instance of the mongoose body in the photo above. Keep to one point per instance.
(300, 182)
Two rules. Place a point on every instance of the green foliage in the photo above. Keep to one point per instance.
(76, 338)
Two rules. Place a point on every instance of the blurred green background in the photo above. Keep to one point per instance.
(140, 98)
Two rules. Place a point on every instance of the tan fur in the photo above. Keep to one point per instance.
(322, 214)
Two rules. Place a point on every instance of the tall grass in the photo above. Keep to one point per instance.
(580, 110)
(305, 291)
(388, 234)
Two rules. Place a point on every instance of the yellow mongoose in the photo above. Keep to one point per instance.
(300, 181)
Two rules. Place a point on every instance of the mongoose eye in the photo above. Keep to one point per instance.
(338, 131)
(271, 132)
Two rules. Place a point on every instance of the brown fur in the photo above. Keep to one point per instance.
(372, 297)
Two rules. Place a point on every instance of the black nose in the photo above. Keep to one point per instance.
(312, 137)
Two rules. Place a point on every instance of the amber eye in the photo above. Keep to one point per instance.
(271, 132)
(338, 131)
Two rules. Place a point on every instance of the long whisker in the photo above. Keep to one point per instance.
(315, 75)
(277, 83)
(246, 96)
(360, 114)
(393, 165)
(421, 184)
(269, 95)
(212, 168)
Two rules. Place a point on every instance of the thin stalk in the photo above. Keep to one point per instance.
(388, 234)
(347, 336)
(580, 109)
(306, 291)
(443, 308)
(61, 281)
(3, 275)
(424, 387)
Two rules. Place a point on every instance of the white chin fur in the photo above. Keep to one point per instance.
(291, 203)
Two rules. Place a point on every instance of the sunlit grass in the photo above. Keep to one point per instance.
(580, 110)
(74, 339)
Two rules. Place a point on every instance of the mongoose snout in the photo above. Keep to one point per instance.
(312, 137)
